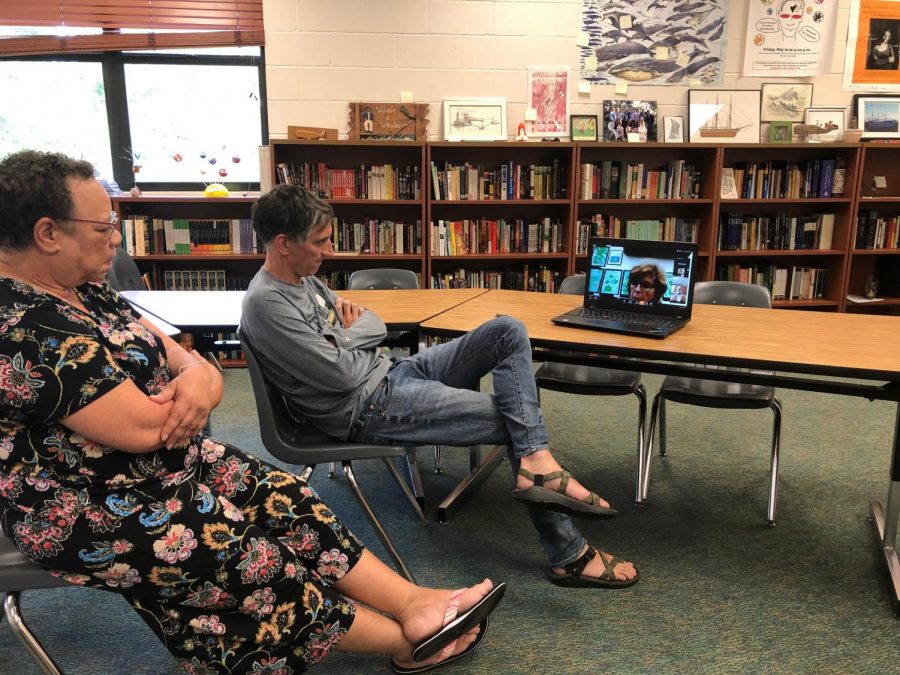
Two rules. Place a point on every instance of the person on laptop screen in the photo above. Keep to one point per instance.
(646, 284)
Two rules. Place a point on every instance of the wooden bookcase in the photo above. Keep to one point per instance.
(503, 211)
(879, 162)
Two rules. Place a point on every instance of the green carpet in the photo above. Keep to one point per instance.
(719, 591)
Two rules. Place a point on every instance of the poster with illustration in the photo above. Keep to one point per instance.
(789, 38)
(872, 62)
(548, 94)
(653, 42)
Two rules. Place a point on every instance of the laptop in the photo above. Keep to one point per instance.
(636, 287)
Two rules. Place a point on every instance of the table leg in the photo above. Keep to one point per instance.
(885, 519)
(476, 476)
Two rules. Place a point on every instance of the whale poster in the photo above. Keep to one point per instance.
(657, 42)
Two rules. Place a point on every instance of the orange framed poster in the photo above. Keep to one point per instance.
(873, 46)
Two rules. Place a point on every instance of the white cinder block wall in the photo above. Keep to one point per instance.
(323, 54)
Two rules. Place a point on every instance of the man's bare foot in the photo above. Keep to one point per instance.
(542, 462)
(424, 616)
(623, 570)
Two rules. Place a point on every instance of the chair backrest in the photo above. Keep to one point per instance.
(381, 279)
(124, 274)
(732, 293)
(573, 285)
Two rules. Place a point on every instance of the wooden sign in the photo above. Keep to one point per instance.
(312, 133)
(388, 121)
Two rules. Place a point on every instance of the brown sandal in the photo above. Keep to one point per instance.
(556, 499)
(572, 577)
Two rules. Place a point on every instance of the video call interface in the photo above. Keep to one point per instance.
(638, 280)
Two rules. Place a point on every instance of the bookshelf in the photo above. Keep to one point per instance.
(377, 193)
(873, 250)
(499, 214)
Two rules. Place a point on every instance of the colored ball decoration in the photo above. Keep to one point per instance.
(215, 190)
(202, 172)
(202, 155)
(177, 157)
(223, 172)
(212, 160)
(236, 159)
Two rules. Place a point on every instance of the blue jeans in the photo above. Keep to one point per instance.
(431, 397)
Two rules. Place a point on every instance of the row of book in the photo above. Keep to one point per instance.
(667, 229)
(202, 280)
(780, 232)
(785, 282)
(369, 181)
(142, 235)
(541, 279)
(376, 236)
(482, 235)
(874, 231)
(821, 178)
(506, 181)
(620, 180)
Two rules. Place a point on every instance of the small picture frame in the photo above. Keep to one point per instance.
(673, 129)
(583, 127)
(781, 132)
(475, 119)
(827, 118)
(629, 121)
(785, 101)
(879, 116)
(723, 115)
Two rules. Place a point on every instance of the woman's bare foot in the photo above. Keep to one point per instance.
(542, 462)
(623, 570)
(424, 616)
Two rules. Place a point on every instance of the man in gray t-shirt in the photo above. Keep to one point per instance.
(321, 351)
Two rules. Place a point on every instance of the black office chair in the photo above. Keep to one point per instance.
(298, 442)
(595, 381)
(19, 574)
(124, 274)
(388, 279)
(715, 393)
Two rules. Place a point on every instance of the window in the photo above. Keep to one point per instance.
(166, 120)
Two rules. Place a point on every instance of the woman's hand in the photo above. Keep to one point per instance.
(191, 393)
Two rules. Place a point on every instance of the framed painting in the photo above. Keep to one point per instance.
(724, 115)
(832, 120)
(583, 127)
(388, 121)
(475, 119)
(673, 129)
(784, 101)
(879, 117)
(781, 132)
(629, 121)
(548, 96)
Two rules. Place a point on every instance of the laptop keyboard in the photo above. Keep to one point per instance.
(633, 318)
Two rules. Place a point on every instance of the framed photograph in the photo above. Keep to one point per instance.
(475, 119)
(879, 116)
(388, 121)
(623, 119)
(829, 119)
(785, 101)
(723, 115)
(583, 127)
(781, 132)
(548, 95)
(673, 129)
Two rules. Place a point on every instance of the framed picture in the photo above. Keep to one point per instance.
(879, 116)
(548, 95)
(854, 107)
(872, 52)
(673, 129)
(388, 121)
(785, 101)
(723, 115)
(781, 132)
(583, 127)
(475, 119)
(624, 120)
(830, 119)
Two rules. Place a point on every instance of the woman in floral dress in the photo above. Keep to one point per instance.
(107, 481)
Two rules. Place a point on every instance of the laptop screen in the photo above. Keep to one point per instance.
(638, 275)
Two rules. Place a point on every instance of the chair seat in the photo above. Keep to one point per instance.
(18, 573)
(304, 444)
(587, 380)
(716, 394)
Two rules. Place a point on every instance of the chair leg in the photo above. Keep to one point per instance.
(776, 451)
(641, 394)
(379, 528)
(413, 479)
(404, 487)
(332, 469)
(662, 426)
(648, 451)
(439, 459)
(478, 473)
(25, 636)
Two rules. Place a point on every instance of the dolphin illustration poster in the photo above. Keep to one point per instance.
(789, 38)
(658, 42)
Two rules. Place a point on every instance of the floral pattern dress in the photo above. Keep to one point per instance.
(229, 560)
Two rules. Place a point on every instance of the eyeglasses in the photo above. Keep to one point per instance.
(111, 225)
(646, 285)
(791, 16)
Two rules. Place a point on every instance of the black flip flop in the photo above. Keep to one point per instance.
(449, 659)
(461, 625)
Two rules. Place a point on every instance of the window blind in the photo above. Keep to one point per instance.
(148, 24)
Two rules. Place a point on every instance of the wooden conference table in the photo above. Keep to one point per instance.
(812, 351)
